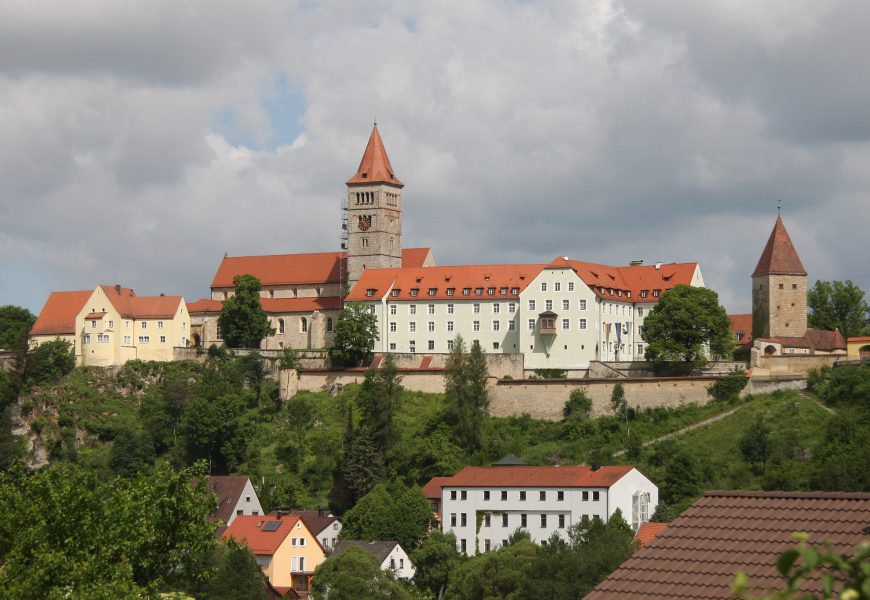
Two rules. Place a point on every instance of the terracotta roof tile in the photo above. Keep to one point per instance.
(280, 269)
(415, 257)
(375, 165)
(432, 490)
(130, 305)
(647, 532)
(316, 521)
(742, 323)
(274, 306)
(249, 529)
(531, 476)
(205, 305)
(699, 554)
(58, 316)
(814, 339)
(779, 256)
(448, 282)
(613, 282)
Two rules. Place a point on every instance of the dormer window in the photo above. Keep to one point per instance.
(450, 291)
(466, 291)
(432, 291)
(370, 292)
(414, 292)
(490, 291)
(503, 291)
(644, 293)
(395, 293)
(478, 291)
(656, 293)
(515, 291)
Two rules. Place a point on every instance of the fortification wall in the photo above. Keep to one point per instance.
(545, 399)
(796, 364)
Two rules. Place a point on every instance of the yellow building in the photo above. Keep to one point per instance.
(859, 348)
(112, 325)
(286, 550)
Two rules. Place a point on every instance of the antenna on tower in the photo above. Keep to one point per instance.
(778, 206)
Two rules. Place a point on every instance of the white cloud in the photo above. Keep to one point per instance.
(606, 130)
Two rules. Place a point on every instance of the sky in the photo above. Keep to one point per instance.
(141, 141)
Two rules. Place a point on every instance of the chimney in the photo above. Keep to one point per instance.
(319, 511)
(658, 266)
(118, 289)
(162, 294)
(596, 466)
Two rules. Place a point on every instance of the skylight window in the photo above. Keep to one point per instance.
(271, 526)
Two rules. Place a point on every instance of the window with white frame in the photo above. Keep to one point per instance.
(412, 309)
(512, 307)
(548, 305)
(431, 309)
(144, 324)
(128, 340)
(451, 291)
(582, 323)
(543, 286)
(103, 338)
(639, 509)
(566, 304)
(566, 324)
(144, 339)
(640, 348)
(531, 324)
(392, 309)
(512, 325)
(639, 311)
(412, 347)
(111, 324)
(162, 339)
(86, 338)
(476, 308)
(496, 325)
(475, 325)
(414, 292)
(449, 309)
(450, 344)
(570, 286)
(531, 305)
(557, 286)
(159, 324)
(392, 345)
(496, 308)
(431, 344)
(449, 325)
(431, 325)
(582, 304)
(392, 326)
(412, 326)
(496, 345)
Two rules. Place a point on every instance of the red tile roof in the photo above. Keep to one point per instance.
(860, 338)
(415, 257)
(779, 256)
(432, 490)
(613, 282)
(647, 532)
(814, 339)
(529, 476)
(313, 268)
(742, 324)
(375, 165)
(249, 529)
(58, 316)
(274, 306)
(699, 554)
(513, 279)
(316, 521)
(130, 305)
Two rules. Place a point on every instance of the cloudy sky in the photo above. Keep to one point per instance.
(140, 141)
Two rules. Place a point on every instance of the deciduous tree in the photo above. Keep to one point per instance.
(466, 398)
(355, 335)
(243, 321)
(355, 574)
(389, 512)
(435, 561)
(15, 324)
(686, 326)
(838, 305)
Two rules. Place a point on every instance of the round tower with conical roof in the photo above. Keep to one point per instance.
(374, 206)
(779, 289)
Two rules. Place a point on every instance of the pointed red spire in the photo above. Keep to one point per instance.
(375, 165)
(779, 256)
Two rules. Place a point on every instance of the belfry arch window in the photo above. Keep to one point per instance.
(391, 243)
(364, 242)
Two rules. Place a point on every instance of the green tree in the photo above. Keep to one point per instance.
(466, 399)
(132, 452)
(49, 361)
(389, 512)
(579, 403)
(66, 532)
(435, 561)
(618, 402)
(498, 574)
(243, 321)
(378, 399)
(838, 305)
(362, 466)
(212, 430)
(686, 325)
(253, 370)
(231, 573)
(15, 324)
(355, 335)
(755, 444)
(354, 574)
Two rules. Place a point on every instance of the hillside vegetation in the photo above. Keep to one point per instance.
(226, 412)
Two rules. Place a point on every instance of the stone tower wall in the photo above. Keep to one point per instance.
(779, 305)
(385, 210)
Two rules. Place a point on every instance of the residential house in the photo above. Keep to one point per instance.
(323, 524)
(482, 506)
(112, 325)
(700, 553)
(235, 496)
(286, 550)
(390, 555)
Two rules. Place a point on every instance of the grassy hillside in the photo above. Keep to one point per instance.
(181, 412)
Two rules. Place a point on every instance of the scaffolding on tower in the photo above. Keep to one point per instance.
(342, 257)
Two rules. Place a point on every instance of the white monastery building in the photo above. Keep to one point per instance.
(540, 500)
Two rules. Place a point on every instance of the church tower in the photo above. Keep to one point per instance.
(374, 206)
(779, 289)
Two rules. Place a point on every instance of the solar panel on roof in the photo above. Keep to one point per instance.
(271, 526)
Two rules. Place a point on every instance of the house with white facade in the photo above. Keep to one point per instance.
(235, 495)
(482, 506)
(559, 316)
(389, 554)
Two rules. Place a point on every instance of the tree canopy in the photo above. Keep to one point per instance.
(355, 574)
(243, 321)
(15, 324)
(389, 512)
(355, 335)
(466, 399)
(838, 305)
(686, 325)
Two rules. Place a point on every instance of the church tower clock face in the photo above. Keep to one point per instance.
(365, 222)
